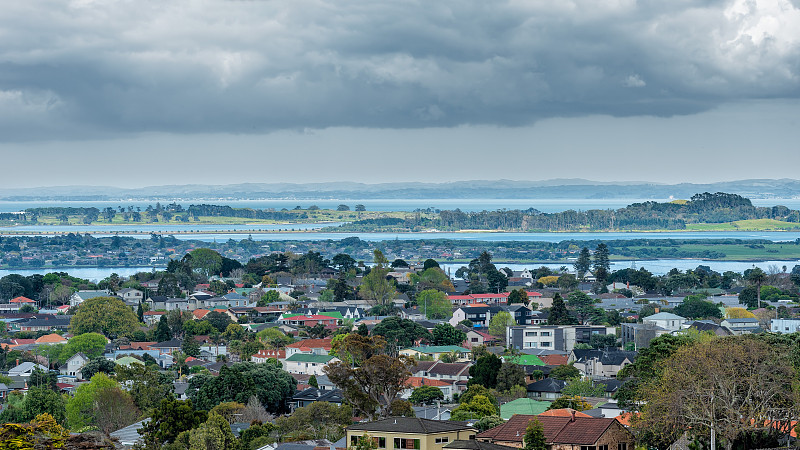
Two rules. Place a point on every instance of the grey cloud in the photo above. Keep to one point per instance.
(99, 68)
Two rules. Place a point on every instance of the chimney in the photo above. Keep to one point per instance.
(573, 416)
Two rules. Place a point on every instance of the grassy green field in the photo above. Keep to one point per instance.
(312, 216)
(746, 225)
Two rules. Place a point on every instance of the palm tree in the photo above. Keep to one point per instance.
(757, 277)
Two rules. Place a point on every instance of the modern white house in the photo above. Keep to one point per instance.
(785, 325)
(667, 321)
(553, 337)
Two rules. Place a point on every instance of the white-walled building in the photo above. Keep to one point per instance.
(667, 321)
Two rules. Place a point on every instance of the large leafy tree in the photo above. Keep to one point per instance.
(478, 407)
(565, 372)
(319, 420)
(205, 261)
(98, 365)
(371, 383)
(484, 371)
(435, 304)
(426, 395)
(270, 384)
(146, 384)
(518, 296)
(738, 384)
(90, 344)
(509, 376)
(400, 333)
(375, 288)
(696, 307)
(171, 418)
(499, 322)
(582, 304)
(446, 334)
(105, 315)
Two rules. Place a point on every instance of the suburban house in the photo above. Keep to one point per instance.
(43, 322)
(564, 433)
(546, 389)
(553, 337)
(453, 372)
(74, 365)
(24, 370)
(167, 347)
(81, 296)
(784, 326)
(131, 296)
(742, 326)
(22, 301)
(264, 354)
(410, 433)
(447, 388)
(600, 363)
(476, 338)
(437, 351)
(667, 321)
(308, 320)
(307, 364)
(479, 315)
(51, 339)
(310, 346)
(312, 394)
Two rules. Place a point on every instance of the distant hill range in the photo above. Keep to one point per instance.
(479, 189)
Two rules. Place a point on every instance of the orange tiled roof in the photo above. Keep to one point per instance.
(564, 412)
(51, 338)
(312, 343)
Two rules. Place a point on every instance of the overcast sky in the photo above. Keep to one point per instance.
(134, 93)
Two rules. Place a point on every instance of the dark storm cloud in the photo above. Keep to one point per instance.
(104, 68)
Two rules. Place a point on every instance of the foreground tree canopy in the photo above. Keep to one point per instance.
(746, 386)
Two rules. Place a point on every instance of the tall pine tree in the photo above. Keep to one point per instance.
(558, 312)
(583, 264)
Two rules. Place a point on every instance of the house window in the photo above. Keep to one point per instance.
(588, 447)
(602, 447)
(545, 333)
(532, 333)
(379, 441)
(622, 446)
(406, 443)
(442, 440)
(474, 340)
(545, 344)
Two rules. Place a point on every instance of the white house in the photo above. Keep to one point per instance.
(667, 321)
(81, 296)
(25, 370)
(307, 364)
(74, 365)
(130, 295)
(785, 325)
